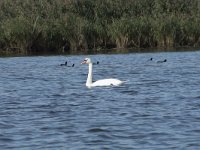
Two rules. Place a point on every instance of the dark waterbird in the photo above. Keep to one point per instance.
(162, 61)
(65, 64)
(151, 59)
(96, 63)
(71, 65)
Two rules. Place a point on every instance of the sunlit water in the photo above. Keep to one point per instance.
(46, 106)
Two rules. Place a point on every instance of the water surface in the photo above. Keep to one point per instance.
(46, 106)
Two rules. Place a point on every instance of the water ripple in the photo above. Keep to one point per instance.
(45, 106)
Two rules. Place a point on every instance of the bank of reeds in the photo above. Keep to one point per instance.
(73, 25)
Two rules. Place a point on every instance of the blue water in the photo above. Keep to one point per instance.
(46, 106)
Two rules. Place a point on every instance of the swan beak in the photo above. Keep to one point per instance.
(83, 62)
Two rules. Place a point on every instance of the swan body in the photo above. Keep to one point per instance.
(103, 82)
(106, 82)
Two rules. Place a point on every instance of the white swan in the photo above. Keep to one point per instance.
(104, 82)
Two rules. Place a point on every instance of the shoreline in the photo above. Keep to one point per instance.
(100, 51)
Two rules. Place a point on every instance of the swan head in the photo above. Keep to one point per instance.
(86, 61)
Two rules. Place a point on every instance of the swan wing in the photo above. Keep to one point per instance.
(107, 82)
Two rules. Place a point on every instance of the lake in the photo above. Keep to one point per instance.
(47, 106)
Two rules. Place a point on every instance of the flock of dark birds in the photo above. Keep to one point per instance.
(151, 59)
(66, 64)
(160, 61)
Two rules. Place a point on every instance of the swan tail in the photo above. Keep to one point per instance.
(125, 81)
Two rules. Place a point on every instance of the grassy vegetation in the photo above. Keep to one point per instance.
(28, 26)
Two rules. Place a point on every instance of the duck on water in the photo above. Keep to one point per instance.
(162, 61)
(65, 64)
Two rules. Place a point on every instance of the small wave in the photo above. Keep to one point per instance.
(58, 95)
(6, 126)
(97, 130)
(198, 97)
(157, 134)
(5, 139)
(130, 92)
(97, 141)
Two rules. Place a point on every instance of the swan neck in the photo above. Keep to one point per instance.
(89, 78)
